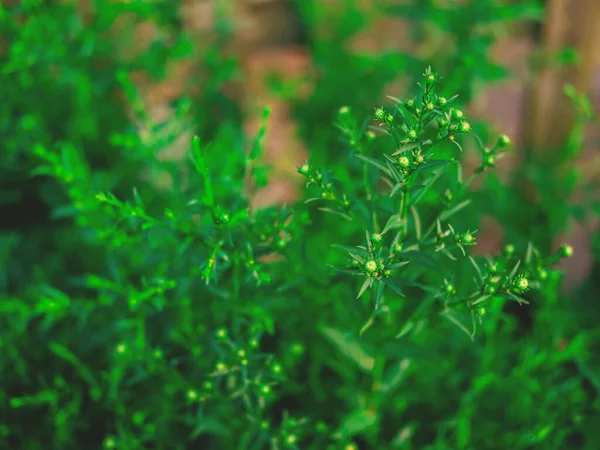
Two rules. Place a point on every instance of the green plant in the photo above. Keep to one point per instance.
(203, 322)
(67, 86)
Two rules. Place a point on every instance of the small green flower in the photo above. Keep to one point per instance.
(376, 238)
(403, 162)
(442, 101)
(430, 106)
(344, 110)
(468, 238)
(297, 349)
(458, 114)
(370, 266)
(192, 395)
(304, 169)
(321, 427)
(566, 251)
(490, 290)
(412, 135)
(521, 285)
(490, 161)
(464, 127)
(291, 439)
(503, 141)
(109, 443)
(221, 333)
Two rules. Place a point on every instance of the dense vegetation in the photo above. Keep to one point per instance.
(134, 316)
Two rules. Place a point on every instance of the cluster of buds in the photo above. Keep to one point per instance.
(220, 217)
(490, 156)
(452, 123)
(315, 177)
(410, 161)
(241, 370)
(384, 116)
(466, 238)
(376, 269)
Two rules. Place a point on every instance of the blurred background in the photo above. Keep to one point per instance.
(123, 81)
(509, 60)
(199, 63)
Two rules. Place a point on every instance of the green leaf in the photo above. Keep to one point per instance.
(405, 148)
(355, 423)
(448, 315)
(394, 376)
(455, 209)
(393, 222)
(351, 347)
(366, 285)
(374, 163)
(68, 356)
(366, 326)
(417, 222)
(258, 140)
(393, 286)
(433, 163)
(415, 199)
(476, 266)
(200, 164)
(337, 213)
(513, 272)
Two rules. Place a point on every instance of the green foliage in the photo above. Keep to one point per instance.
(134, 317)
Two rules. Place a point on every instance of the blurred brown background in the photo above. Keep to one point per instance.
(269, 37)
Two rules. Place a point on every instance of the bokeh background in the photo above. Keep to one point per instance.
(121, 82)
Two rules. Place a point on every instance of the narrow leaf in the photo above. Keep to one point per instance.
(337, 213)
(350, 347)
(455, 209)
(367, 284)
(374, 163)
(393, 222)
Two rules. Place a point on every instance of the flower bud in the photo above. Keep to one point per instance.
(370, 266)
(566, 251)
(464, 127)
(503, 141)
